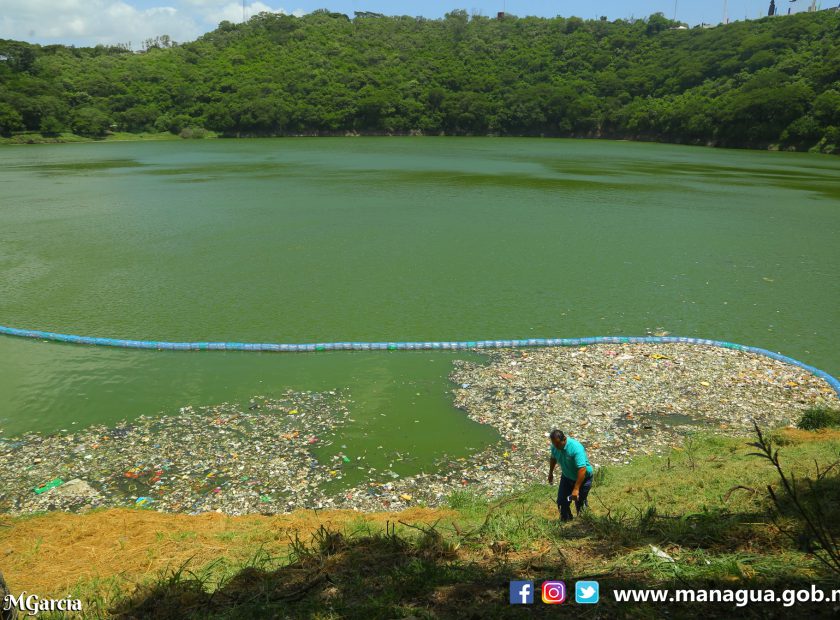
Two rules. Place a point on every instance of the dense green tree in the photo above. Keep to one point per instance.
(90, 121)
(827, 107)
(139, 117)
(768, 101)
(10, 119)
(657, 23)
(50, 126)
(804, 131)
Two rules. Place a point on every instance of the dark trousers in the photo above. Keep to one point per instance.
(563, 493)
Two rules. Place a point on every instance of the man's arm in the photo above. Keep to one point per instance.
(581, 477)
(552, 464)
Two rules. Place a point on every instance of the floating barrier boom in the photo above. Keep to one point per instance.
(409, 346)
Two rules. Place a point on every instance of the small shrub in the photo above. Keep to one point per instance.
(464, 500)
(600, 476)
(691, 445)
(819, 417)
(780, 438)
(194, 133)
(432, 546)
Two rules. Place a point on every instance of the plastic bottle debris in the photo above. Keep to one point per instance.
(48, 486)
(661, 555)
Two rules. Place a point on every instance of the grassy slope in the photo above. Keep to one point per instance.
(438, 563)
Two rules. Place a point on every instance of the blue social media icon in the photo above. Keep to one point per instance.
(587, 592)
(521, 592)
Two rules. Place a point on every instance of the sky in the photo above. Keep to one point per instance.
(91, 22)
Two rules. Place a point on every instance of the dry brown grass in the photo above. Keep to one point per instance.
(50, 553)
(797, 435)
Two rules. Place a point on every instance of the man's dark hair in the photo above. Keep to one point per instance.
(557, 434)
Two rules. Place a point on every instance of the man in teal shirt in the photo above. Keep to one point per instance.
(575, 473)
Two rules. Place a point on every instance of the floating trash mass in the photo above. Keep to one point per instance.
(227, 458)
(620, 400)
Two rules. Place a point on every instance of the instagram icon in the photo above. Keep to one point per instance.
(553, 592)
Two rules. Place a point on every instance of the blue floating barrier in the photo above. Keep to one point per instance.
(413, 346)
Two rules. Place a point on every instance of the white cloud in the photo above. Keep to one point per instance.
(90, 22)
(205, 3)
(232, 11)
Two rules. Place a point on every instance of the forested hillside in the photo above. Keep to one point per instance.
(774, 81)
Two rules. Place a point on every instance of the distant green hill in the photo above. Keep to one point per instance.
(774, 81)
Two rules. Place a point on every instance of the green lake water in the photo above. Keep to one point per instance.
(303, 240)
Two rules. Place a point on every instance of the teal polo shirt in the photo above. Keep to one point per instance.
(571, 458)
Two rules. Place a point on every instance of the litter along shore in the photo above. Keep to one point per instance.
(621, 401)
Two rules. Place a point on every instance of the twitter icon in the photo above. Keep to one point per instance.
(587, 592)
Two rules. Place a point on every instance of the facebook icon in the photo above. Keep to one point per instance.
(521, 592)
